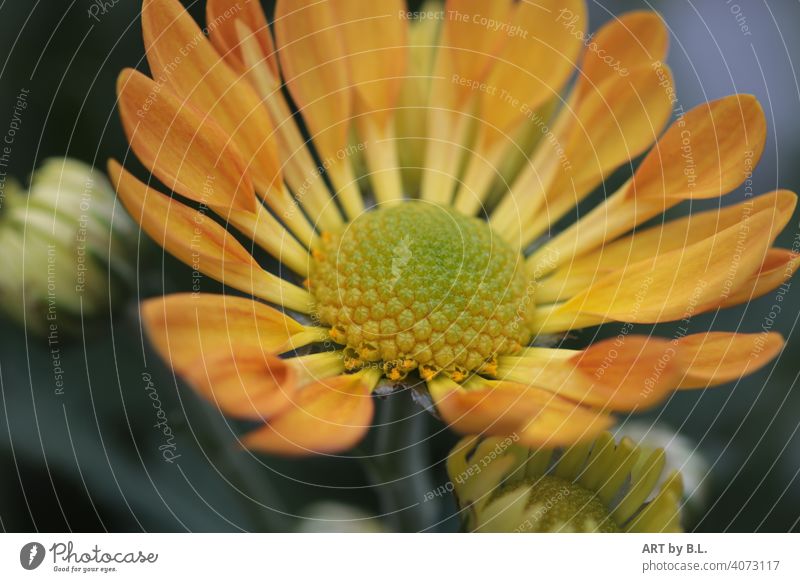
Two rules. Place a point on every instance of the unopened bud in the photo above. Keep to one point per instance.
(66, 247)
(601, 486)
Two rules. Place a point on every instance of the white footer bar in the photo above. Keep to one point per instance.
(387, 557)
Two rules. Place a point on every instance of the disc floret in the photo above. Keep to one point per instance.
(420, 287)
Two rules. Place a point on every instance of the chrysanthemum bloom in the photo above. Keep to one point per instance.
(600, 486)
(442, 263)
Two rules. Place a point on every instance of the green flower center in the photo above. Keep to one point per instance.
(558, 505)
(419, 286)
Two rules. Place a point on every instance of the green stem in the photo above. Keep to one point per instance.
(251, 483)
(399, 466)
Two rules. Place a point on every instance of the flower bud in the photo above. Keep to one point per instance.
(66, 247)
(682, 454)
(601, 486)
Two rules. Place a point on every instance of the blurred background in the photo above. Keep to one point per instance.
(86, 456)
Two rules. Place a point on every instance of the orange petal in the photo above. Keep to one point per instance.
(468, 46)
(624, 373)
(529, 72)
(464, 58)
(680, 283)
(411, 117)
(246, 383)
(222, 15)
(325, 417)
(613, 123)
(198, 241)
(192, 155)
(621, 106)
(314, 65)
(535, 416)
(375, 37)
(676, 234)
(629, 372)
(724, 141)
(624, 43)
(777, 269)
(223, 147)
(187, 151)
(706, 153)
(181, 57)
(714, 358)
(535, 62)
(184, 327)
(299, 169)
(617, 121)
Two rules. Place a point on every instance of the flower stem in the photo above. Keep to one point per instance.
(399, 466)
(250, 483)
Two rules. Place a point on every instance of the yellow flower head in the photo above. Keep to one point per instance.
(478, 127)
(600, 486)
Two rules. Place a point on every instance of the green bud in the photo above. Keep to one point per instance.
(601, 486)
(67, 248)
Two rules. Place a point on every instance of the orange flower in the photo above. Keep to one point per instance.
(389, 275)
